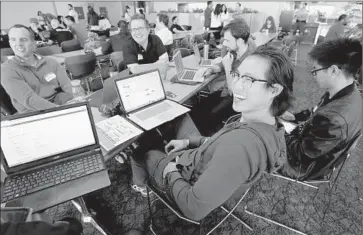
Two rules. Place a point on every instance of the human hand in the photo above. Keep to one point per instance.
(170, 167)
(288, 116)
(175, 146)
(208, 72)
(227, 61)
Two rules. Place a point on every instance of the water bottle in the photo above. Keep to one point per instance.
(113, 72)
(77, 90)
(297, 32)
(205, 50)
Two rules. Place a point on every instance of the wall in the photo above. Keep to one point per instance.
(20, 12)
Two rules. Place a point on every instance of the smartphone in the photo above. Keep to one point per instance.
(16, 214)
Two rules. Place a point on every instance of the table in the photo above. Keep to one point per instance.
(181, 35)
(263, 38)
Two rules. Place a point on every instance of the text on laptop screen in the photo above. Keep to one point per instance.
(36, 137)
(139, 91)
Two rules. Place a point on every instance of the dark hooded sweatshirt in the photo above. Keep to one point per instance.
(231, 160)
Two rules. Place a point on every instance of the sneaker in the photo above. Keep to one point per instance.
(141, 190)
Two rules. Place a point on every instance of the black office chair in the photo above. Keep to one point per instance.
(71, 45)
(49, 50)
(81, 67)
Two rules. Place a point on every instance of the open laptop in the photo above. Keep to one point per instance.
(144, 101)
(201, 61)
(185, 76)
(51, 156)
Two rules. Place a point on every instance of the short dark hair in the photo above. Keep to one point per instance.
(342, 17)
(139, 17)
(280, 72)
(71, 18)
(209, 2)
(20, 26)
(174, 17)
(346, 53)
(163, 18)
(239, 29)
(123, 26)
(70, 5)
(239, 4)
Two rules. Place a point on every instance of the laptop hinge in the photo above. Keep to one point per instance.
(139, 109)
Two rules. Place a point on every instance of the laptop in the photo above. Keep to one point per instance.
(144, 101)
(185, 76)
(201, 61)
(51, 156)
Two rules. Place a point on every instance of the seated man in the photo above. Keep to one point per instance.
(162, 31)
(337, 29)
(236, 35)
(33, 82)
(211, 170)
(69, 20)
(175, 27)
(117, 41)
(338, 117)
(143, 47)
(58, 33)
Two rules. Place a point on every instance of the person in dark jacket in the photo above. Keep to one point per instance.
(92, 16)
(327, 128)
(117, 42)
(210, 170)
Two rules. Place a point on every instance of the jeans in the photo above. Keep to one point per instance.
(152, 163)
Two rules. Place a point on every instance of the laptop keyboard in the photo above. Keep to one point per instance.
(188, 75)
(206, 62)
(155, 110)
(31, 182)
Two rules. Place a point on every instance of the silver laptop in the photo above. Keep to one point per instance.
(201, 61)
(51, 156)
(182, 74)
(144, 101)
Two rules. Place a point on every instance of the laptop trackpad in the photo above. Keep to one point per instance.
(62, 193)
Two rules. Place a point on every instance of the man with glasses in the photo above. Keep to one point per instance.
(331, 125)
(218, 105)
(143, 47)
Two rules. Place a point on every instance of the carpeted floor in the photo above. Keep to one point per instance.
(312, 211)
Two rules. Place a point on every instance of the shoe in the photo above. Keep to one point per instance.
(141, 190)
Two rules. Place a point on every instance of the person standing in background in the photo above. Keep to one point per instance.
(337, 30)
(238, 7)
(301, 16)
(224, 15)
(208, 16)
(216, 22)
(141, 11)
(72, 12)
(92, 16)
(128, 14)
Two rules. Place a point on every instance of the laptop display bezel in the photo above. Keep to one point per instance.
(55, 157)
(135, 75)
(178, 53)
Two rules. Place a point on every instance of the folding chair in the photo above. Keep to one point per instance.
(159, 197)
(340, 161)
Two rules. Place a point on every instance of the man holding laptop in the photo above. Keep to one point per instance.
(33, 82)
(143, 48)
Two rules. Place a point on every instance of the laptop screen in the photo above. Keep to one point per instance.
(178, 64)
(140, 90)
(36, 137)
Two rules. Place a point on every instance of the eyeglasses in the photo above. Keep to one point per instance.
(134, 30)
(313, 72)
(247, 80)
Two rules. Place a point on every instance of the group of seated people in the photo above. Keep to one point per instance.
(197, 172)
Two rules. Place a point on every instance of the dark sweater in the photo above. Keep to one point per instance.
(232, 159)
(116, 43)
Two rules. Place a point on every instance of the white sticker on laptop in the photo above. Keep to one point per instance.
(49, 77)
(140, 57)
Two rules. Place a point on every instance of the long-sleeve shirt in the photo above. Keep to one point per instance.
(232, 159)
(35, 88)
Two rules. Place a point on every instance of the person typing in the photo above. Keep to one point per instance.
(33, 82)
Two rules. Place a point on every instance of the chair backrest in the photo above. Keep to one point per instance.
(7, 107)
(81, 65)
(49, 50)
(71, 45)
(116, 58)
(325, 165)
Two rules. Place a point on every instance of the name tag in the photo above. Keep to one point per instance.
(49, 77)
(140, 57)
(315, 108)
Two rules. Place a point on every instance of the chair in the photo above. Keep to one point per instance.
(116, 58)
(80, 66)
(159, 197)
(49, 50)
(71, 45)
(326, 178)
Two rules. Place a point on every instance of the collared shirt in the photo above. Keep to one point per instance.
(136, 54)
(60, 35)
(38, 87)
(335, 31)
(165, 35)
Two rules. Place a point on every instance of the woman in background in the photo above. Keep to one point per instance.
(216, 21)
(224, 15)
(269, 25)
(128, 14)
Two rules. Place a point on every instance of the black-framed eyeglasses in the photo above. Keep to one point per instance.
(313, 72)
(247, 80)
(140, 29)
